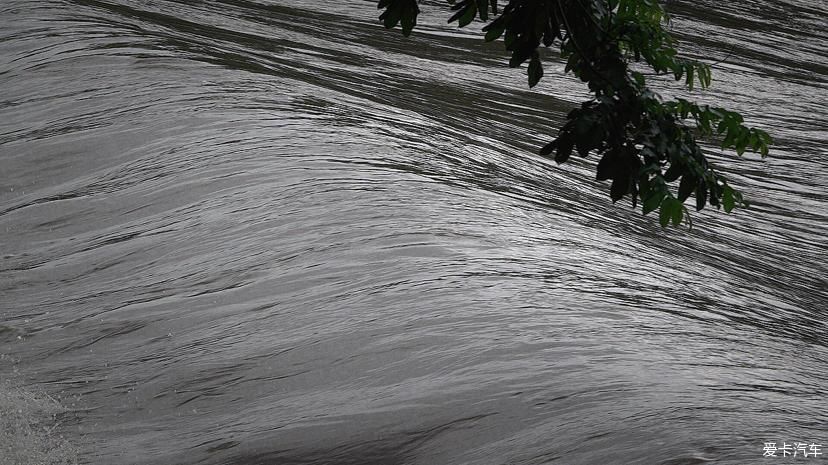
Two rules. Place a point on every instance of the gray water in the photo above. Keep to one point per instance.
(258, 232)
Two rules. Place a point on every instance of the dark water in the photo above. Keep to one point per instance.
(240, 232)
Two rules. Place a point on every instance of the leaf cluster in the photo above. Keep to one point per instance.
(644, 143)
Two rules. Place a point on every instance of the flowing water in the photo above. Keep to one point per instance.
(258, 232)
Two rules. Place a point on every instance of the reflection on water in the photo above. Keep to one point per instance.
(269, 233)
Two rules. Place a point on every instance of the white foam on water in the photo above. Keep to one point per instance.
(30, 425)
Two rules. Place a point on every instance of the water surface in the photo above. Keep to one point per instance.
(240, 232)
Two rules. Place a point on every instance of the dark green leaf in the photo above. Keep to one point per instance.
(509, 39)
(742, 143)
(673, 172)
(715, 194)
(690, 77)
(606, 167)
(483, 9)
(727, 199)
(468, 16)
(687, 185)
(564, 149)
(548, 34)
(519, 56)
(535, 70)
(677, 212)
(619, 188)
(729, 138)
(391, 16)
(494, 30)
(572, 63)
(639, 78)
(653, 201)
(549, 148)
(666, 212)
(409, 17)
(701, 195)
(462, 8)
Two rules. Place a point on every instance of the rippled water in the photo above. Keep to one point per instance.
(239, 232)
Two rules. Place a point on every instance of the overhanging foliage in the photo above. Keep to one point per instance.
(645, 143)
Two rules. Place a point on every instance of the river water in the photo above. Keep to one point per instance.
(257, 232)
